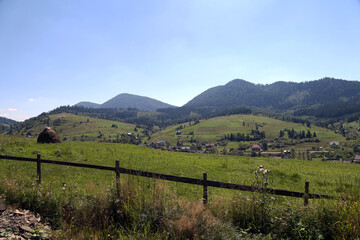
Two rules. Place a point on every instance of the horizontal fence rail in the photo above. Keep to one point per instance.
(203, 182)
(72, 164)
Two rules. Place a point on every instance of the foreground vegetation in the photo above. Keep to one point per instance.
(82, 203)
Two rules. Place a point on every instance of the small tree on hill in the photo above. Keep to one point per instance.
(281, 134)
(265, 146)
(308, 134)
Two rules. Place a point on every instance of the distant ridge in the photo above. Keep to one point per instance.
(7, 121)
(87, 105)
(126, 100)
(279, 95)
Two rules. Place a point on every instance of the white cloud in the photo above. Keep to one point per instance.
(31, 100)
(4, 115)
(12, 109)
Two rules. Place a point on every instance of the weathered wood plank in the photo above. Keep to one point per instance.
(18, 158)
(38, 167)
(72, 164)
(59, 163)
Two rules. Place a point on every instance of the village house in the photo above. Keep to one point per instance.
(209, 145)
(256, 147)
(287, 154)
(185, 149)
(357, 159)
(334, 144)
(332, 158)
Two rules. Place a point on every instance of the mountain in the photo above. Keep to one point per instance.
(7, 121)
(87, 105)
(125, 101)
(279, 96)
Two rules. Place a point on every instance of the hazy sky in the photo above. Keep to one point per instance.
(60, 52)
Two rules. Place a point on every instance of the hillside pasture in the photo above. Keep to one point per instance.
(77, 127)
(212, 130)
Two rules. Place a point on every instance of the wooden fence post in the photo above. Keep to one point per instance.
(205, 193)
(306, 195)
(117, 171)
(38, 167)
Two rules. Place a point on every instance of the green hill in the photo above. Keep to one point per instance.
(213, 130)
(77, 127)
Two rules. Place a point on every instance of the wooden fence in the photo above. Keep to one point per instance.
(204, 181)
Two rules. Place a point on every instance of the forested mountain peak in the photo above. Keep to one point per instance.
(279, 95)
(126, 100)
(87, 105)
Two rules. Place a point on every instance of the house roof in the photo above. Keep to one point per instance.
(255, 146)
(357, 158)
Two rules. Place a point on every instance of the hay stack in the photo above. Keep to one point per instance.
(48, 136)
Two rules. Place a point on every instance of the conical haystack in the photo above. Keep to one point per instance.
(48, 136)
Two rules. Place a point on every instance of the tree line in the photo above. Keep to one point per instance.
(255, 135)
(292, 134)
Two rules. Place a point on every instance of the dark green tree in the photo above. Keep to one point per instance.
(281, 134)
(308, 134)
(265, 146)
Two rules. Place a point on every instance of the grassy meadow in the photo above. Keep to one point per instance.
(81, 204)
(290, 174)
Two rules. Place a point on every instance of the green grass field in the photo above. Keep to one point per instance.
(152, 209)
(289, 174)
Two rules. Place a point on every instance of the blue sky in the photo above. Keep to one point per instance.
(61, 52)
